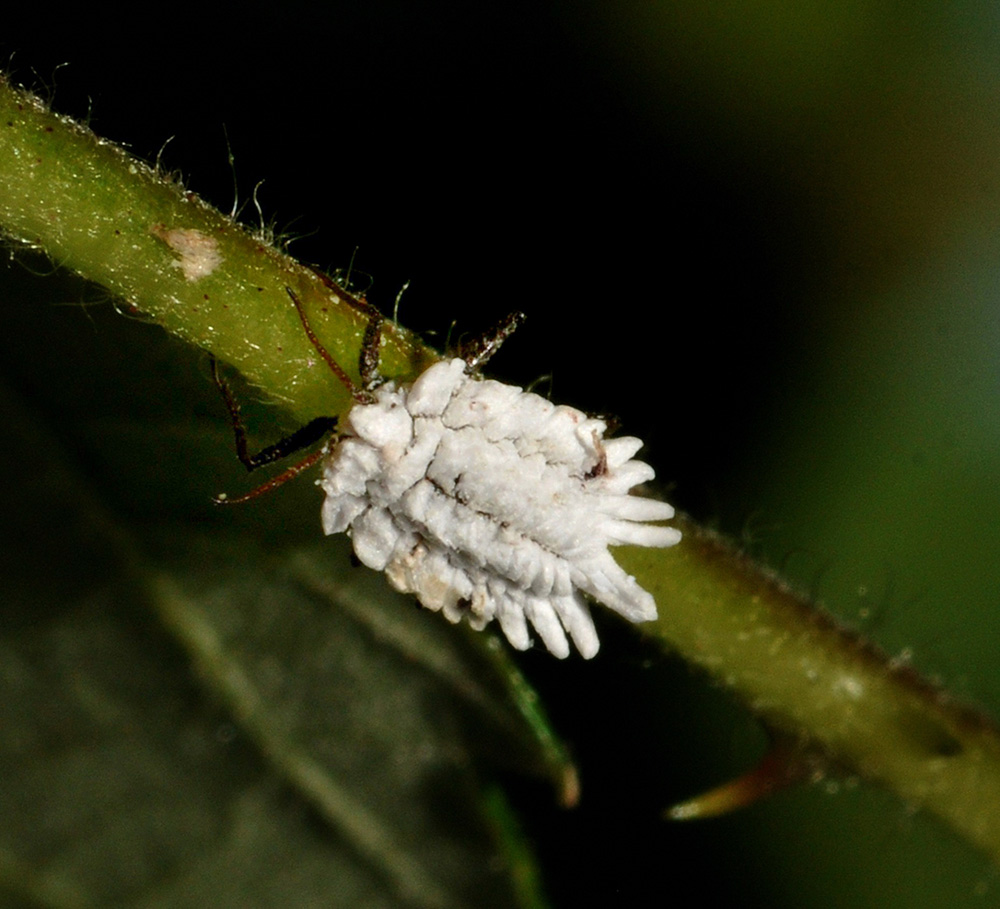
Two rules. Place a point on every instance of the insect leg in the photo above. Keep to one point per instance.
(359, 394)
(274, 482)
(478, 351)
(301, 438)
(370, 352)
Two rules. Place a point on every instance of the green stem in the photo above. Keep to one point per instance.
(93, 209)
(823, 685)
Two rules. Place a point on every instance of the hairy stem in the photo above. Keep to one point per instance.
(823, 685)
(92, 208)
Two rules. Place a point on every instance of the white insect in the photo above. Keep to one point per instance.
(489, 502)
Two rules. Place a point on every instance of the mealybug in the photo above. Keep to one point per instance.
(484, 500)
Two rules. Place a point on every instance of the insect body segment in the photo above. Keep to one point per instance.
(484, 501)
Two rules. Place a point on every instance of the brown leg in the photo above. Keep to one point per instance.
(302, 438)
(479, 350)
(367, 361)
